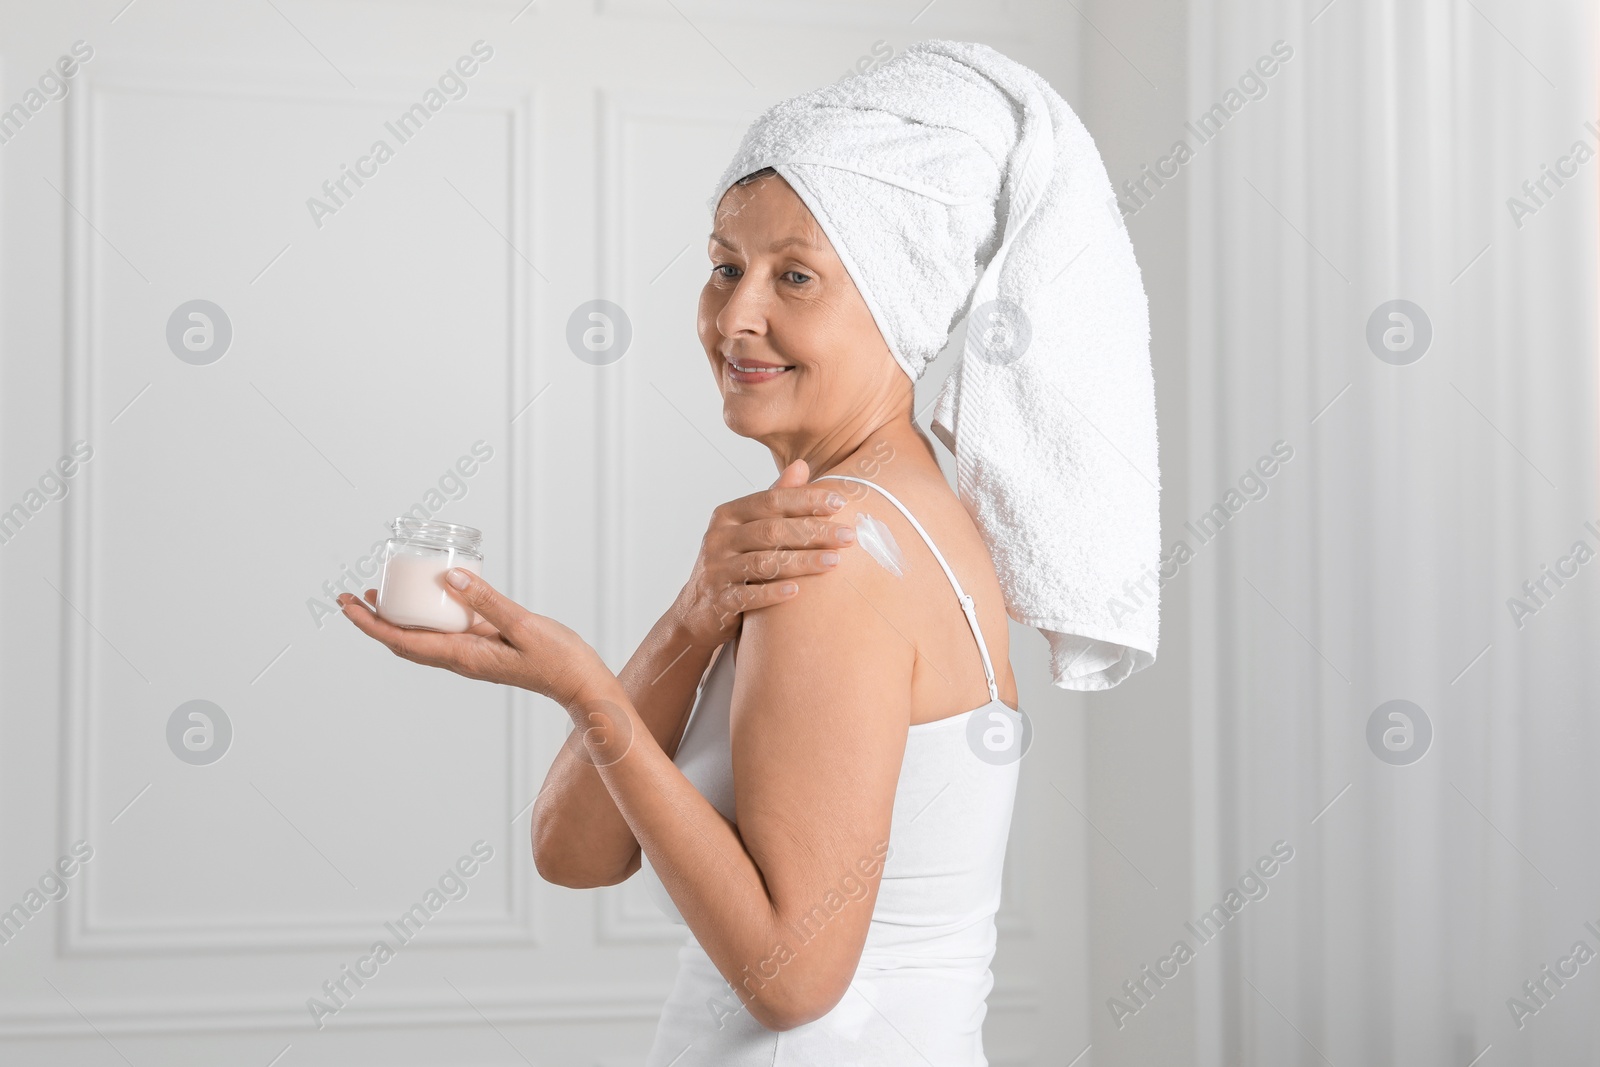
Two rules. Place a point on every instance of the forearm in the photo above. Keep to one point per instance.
(579, 837)
(696, 852)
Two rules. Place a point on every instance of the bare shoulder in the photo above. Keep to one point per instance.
(942, 517)
(921, 602)
(842, 616)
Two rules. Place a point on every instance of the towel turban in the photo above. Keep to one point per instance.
(954, 182)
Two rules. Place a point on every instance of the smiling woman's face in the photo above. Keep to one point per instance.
(778, 296)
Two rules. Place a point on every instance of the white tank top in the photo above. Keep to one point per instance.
(918, 995)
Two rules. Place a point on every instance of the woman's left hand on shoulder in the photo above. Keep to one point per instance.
(513, 646)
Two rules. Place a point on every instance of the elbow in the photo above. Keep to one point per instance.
(553, 871)
(558, 864)
(779, 1009)
(572, 875)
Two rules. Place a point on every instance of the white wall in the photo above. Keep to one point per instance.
(1140, 742)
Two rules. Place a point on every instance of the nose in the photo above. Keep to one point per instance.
(745, 310)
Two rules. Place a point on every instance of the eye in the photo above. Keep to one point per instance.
(715, 267)
(797, 274)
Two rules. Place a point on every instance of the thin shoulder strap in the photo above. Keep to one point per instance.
(965, 598)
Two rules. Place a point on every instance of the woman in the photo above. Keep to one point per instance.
(829, 818)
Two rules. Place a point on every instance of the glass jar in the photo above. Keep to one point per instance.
(412, 590)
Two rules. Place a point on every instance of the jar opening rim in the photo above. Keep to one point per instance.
(431, 533)
(413, 526)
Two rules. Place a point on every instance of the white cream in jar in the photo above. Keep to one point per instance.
(412, 591)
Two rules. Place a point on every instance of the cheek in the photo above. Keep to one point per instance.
(826, 339)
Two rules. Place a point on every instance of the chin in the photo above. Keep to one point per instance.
(747, 419)
(744, 423)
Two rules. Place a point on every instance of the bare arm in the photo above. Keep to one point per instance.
(821, 706)
(579, 838)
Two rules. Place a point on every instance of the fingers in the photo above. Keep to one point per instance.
(768, 567)
(764, 550)
(738, 599)
(789, 534)
(468, 654)
(772, 565)
(784, 501)
(781, 532)
(796, 473)
(498, 611)
(412, 644)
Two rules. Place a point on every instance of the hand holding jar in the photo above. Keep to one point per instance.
(434, 608)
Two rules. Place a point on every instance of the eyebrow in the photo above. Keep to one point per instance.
(785, 243)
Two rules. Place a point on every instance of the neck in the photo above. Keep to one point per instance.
(863, 453)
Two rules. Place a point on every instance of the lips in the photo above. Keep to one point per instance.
(754, 370)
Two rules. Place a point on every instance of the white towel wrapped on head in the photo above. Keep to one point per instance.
(953, 180)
